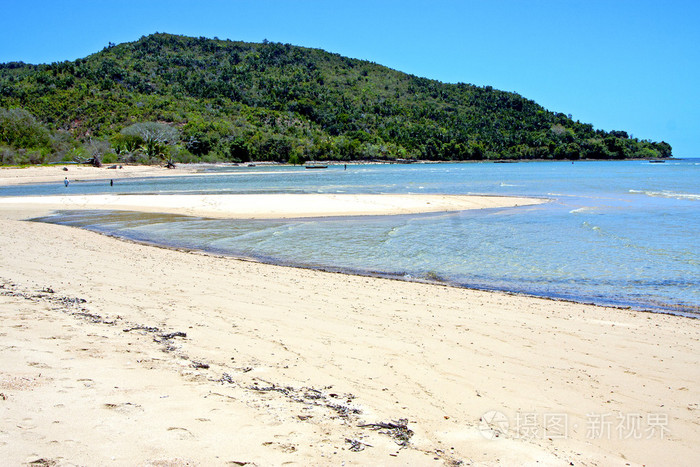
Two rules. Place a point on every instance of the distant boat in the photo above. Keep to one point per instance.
(316, 166)
(656, 162)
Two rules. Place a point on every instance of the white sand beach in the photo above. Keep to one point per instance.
(125, 354)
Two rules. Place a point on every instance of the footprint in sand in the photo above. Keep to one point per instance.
(41, 462)
(87, 382)
(181, 433)
(284, 447)
(168, 463)
(124, 408)
(32, 436)
(38, 365)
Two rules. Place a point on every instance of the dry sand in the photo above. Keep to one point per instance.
(56, 173)
(125, 354)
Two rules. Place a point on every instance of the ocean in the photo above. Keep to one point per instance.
(617, 233)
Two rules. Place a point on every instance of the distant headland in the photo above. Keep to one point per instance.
(183, 99)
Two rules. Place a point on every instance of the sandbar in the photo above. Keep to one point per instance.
(268, 206)
(235, 206)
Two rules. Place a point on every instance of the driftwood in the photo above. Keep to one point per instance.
(93, 161)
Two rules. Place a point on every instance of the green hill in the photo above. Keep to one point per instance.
(204, 99)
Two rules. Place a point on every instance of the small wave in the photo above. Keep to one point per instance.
(580, 210)
(592, 227)
(667, 194)
(507, 184)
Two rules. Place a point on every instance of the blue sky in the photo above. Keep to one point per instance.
(618, 64)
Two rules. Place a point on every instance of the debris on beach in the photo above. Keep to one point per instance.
(397, 429)
(311, 397)
(356, 445)
(142, 328)
(226, 378)
(173, 335)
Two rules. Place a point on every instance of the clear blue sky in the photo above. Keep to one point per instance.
(618, 64)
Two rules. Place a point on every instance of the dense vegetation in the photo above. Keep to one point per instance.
(197, 99)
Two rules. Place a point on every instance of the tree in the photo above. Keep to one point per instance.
(664, 149)
(19, 129)
(156, 137)
(97, 149)
(123, 144)
(617, 147)
(198, 144)
(280, 97)
(239, 150)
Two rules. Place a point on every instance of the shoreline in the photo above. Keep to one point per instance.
(670, 309)
(291, 363)
(288, 206)
(267, 206)
(14, 175)
(11, 176)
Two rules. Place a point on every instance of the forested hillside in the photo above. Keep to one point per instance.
(198, 99)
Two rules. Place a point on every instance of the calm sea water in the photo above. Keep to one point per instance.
(614, 233)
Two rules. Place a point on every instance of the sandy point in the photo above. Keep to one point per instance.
(267, 206)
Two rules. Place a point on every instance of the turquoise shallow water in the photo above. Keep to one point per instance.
(614, 233)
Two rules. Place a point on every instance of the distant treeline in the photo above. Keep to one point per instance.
(196, 99)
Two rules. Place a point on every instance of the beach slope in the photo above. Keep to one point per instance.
(126, 354)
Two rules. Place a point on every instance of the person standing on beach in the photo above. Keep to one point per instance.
(66, 182)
